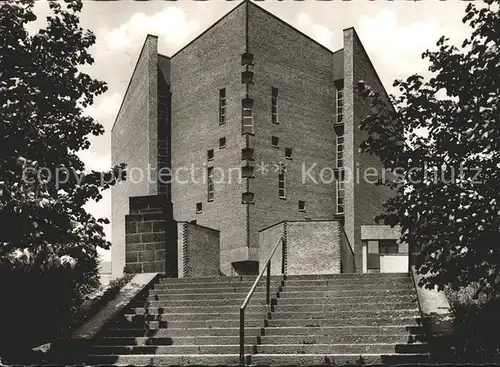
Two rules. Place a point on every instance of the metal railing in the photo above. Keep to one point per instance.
(266, 268)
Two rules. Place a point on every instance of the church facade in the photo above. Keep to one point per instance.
(250, 125)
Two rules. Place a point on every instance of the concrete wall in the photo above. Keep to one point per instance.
(267, 240)
(302, 70)
(380, 232)
(134, 142)
(347, 260)
(209, 63)
(363, 199)
(311, 247)
(199, 251)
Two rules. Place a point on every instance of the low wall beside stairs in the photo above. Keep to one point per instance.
(199, 251)
(311, 247)
(150, 236)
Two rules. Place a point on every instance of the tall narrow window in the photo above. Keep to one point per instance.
(340, 197)
(222, 106)
(210, 186)
(340, 104)
(281, 183)
(247, 105)
(274, 105)
(340, 151)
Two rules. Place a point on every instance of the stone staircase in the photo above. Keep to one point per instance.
(316, 319)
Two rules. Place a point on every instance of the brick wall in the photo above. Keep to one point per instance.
(198, 251)
(364, 200)
(303, 72)
(149, 237)
(134, 142)
(211, 62)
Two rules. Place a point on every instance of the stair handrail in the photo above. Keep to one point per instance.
(267, 267)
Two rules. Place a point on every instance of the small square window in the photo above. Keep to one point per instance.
(210, 155)
(247, 154)
(288, 153)
(247, 198)
(275, 141)
(302, 206)
(247, 171)
(199, 208)
(222, 143)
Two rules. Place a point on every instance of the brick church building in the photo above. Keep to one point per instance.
(248, 133)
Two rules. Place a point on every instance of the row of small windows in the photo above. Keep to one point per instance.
(247, 197)
(247, 110)
(210, 152)
(339, 150)
(340, 104)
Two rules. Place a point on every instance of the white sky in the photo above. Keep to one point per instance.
(394, 34)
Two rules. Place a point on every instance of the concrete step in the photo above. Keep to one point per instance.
(346, 286)
(327, 307)
(377, 278)
(164, 360)
(181, 332)
(343, 339)
(339, 281)
(347, 276)
(169, 349)
(197, 302)
(289, 315)
(177, 340)
(258, 359)
(251, 340)
(216, 294)
(145, 324)
(204, 290)
(342, 348)
(195, 316)
(196, 309)
(331, 359)
(358, 321)
(205, 296)
(340, 330)
(343, 293)
(220, 279)
(346, 299)
(224, 285)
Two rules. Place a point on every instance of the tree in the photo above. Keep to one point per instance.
(447, 169)
(48, 241)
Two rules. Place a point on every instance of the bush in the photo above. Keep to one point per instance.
(476, 317)
(39, 307)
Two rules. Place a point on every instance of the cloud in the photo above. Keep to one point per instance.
(396, 48)
(169, 24)
(318, 32)
(105, 108)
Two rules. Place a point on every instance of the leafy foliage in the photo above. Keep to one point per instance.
(48, 242)
(446, 170)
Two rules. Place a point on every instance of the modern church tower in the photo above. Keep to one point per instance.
(254, 124)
